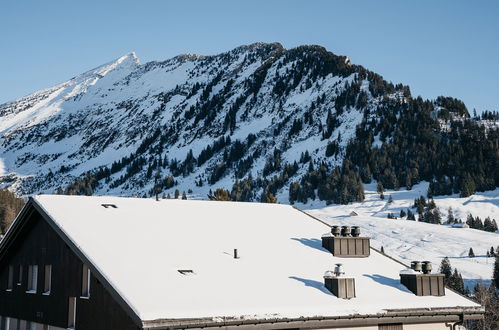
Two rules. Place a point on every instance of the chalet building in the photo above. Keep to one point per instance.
(71, 262)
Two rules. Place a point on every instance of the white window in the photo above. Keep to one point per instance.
(85, 282)
(72, 313)
(48, 280)
(10, 280)
(32, 278)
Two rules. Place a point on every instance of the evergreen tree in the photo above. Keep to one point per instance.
(268, 197)
(402, 214)
(410, 215)
(220, 195)
(184, 196)
(471, 254)
(379, 188)
(495, 274)
(468, 187)
(10, 205)
(450, 216)
(456, 282)
(390, 199)
(382, 249)
(445, 268)
(489, 225)
(487, 297)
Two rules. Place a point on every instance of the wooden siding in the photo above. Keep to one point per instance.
(346, 246)
(38, 244)
(424, 284)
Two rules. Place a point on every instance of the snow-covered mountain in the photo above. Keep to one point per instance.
(202, 122)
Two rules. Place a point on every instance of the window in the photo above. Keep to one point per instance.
(20, 278)
(10, 280)
(72, 313)
(48, 280)
(32, 278)
(85, 282)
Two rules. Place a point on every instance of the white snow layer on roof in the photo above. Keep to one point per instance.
(140, 246)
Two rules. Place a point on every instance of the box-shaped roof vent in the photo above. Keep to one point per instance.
(346, 242)
(421, 281)
(338, 284)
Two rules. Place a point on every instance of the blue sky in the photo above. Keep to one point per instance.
(436, 47)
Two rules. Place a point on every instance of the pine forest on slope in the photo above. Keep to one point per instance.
(259, 121)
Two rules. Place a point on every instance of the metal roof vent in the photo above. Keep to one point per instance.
(338, 284)
(421, 281)
(346, 242)
(186, 271)
(106, 206)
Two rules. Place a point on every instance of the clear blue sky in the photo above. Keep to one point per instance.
(437, 47)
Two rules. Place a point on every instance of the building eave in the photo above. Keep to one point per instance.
(406, 316)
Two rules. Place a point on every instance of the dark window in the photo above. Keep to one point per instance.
(20, 278)
(85, 282)
(32, 278)
(10, 280)
(72, 313)
(48, 279)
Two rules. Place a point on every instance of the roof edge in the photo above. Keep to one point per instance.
(429, 315)
(15, 227)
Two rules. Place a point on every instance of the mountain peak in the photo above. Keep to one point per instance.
(130, 57)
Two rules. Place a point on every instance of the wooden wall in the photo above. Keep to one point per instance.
(38, 244)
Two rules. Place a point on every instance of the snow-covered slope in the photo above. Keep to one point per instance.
(410, 240)
(159, 111)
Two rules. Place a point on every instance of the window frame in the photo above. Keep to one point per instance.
(32, 286)
(10, 278)
(47, 280)
(20, 277)
(72, 313)
(85, 282)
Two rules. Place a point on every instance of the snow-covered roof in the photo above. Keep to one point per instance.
(140, 245)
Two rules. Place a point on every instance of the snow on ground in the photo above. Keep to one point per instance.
(410, 240)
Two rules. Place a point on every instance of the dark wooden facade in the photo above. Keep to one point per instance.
(37, 243)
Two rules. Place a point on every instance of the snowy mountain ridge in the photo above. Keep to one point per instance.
(104, 114)
(258, 112)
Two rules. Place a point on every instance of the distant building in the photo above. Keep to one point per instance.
(71, 262)
(460, 225)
